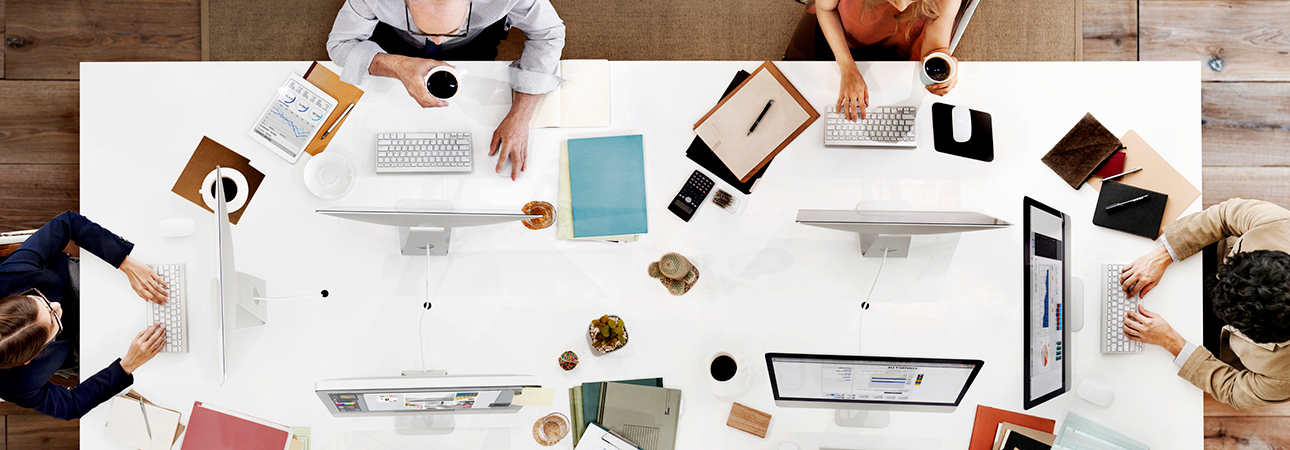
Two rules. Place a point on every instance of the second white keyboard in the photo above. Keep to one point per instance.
(1115, 305)
(883, 126)
(173, 314)
(424, 153)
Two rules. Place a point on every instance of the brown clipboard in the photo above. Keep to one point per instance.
(812, 115)
(345, 94)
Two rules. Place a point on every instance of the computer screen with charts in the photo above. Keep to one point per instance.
(438, 394)
(870, 382)
(1047, 280)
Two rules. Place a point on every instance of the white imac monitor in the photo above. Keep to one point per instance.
(869, 383)
(425, 402)
(425, 228)
(236, 292)
(888, 232)
(1049, 303)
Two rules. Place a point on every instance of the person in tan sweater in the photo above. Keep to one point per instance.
(1251, 294)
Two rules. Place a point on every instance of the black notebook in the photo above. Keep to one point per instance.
(699, 152)
(1140, 217)
(1017, 441)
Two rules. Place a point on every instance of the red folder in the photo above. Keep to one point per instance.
(214, 428)
(987, 423)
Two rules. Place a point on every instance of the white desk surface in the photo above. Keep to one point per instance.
(514, 299)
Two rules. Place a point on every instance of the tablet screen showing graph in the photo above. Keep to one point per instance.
(294, 118)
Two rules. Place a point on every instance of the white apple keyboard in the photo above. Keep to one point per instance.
(173, 314)
(424, 153)
(1115, 304)
(883, 127)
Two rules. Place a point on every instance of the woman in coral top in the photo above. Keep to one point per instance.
(883, 30)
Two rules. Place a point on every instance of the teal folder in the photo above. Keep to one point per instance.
(607, 186)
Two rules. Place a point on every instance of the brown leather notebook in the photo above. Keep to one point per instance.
(1082, 151)
(345, 94)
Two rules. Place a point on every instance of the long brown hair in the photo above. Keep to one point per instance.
(918, 10)
(21, 337)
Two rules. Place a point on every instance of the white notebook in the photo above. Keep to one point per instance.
(125, 425)
(581, 101)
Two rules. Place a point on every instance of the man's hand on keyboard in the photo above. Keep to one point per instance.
(144, 280)
(1143, 274)
(1149, 328)
(146, 345)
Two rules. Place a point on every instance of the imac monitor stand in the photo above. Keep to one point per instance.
(235, 292)
(869, 384)
(887, 233)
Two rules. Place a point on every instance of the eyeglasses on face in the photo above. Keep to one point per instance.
(465, 27)
(48, 304)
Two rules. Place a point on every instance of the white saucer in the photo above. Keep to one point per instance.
(329, 175)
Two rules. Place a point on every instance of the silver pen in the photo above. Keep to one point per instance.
(145, 418)
(1112, 177)
(338, 120)
(1126, 202)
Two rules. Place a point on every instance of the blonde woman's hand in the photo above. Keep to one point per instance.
(944, 88)
(853, 96)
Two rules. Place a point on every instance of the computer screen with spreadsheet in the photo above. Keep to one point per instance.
(1046, 279)
(872, 380)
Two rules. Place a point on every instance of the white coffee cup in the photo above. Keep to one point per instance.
(444, 86)
(726, 373)
(937, 68)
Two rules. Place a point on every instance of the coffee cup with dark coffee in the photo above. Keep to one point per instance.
(937, 68)
(444, 82)
(727, 374)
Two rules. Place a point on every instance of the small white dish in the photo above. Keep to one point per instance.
(329, 175)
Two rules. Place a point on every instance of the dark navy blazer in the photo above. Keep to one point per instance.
(41, 263)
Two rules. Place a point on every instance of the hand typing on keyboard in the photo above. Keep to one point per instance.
(144, 280)
(1143, 274)
(853, 96)
(144, 346)
(1149, 328)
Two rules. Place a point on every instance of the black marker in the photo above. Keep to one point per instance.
(763, 114)
(1126, 202)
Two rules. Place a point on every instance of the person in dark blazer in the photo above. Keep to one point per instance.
(40, 318)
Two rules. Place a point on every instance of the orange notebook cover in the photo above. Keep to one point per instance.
(345, 94)
(988, 420)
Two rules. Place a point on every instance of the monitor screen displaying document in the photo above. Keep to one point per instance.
(907, 381)
(1047, 245)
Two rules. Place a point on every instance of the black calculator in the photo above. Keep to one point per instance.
(691, 196)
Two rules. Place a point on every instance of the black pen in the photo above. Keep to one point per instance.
(1126, 202)
(763, 114)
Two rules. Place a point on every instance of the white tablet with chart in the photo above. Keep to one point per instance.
(293, 118)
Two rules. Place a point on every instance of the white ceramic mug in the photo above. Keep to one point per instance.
(736, 384)
(949, 68)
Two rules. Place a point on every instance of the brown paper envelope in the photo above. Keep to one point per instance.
(1156, 175)
(344, 93)
(208, 155)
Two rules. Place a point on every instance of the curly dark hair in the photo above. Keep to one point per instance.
(1252, 294)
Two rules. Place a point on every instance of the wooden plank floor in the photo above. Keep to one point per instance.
(1245, 128)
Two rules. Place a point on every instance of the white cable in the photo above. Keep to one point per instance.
(425, 307)
(865, 305)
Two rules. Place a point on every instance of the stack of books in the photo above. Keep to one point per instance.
(641, 410)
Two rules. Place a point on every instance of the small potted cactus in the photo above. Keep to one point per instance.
(608, 333)
(675, 272)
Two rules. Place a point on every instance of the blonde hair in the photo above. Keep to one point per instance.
(918, 10)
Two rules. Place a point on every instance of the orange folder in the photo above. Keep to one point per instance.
(345, 95)
(988, 420)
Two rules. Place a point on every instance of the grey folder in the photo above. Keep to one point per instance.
(645, 415)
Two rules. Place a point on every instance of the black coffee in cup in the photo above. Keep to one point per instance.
(724, 368)
(230, 189)
(442, 84)
(937, 69)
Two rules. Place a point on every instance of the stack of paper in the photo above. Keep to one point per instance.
(581, 101)
(602, 189)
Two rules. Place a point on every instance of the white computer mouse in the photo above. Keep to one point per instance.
(172, 228)
(1096, 393)
(961, 120)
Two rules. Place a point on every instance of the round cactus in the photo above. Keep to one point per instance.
(653, 270)
(691, 277)
(674, 266)
(676, 287)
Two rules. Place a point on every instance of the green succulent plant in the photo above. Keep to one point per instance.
(609, 331)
